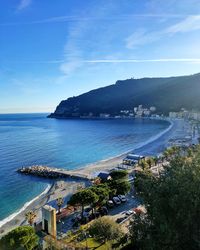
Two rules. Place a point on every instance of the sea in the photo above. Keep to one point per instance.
(29, 139)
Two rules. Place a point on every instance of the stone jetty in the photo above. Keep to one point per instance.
(53, 173)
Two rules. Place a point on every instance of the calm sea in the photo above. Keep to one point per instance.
(27, 139)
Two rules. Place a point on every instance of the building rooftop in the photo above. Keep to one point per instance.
(103, 175)
(49, 208)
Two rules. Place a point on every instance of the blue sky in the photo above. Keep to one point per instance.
(51, 50)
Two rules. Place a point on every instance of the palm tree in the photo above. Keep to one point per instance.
(156, 160)
(60, 202)
(144, 164)
(30, 217)
(150, 161)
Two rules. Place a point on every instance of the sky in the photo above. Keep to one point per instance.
(53, 49)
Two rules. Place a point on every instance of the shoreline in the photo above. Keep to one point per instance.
(87, 169)
(36, 203)
(26, 205)
(58, 189)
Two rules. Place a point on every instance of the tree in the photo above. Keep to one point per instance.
(30, 217)
(83, 198)
(143, 164)
(150, 161)
(119, 174)
(59, 202)
(104, 229)
(20, 238)
(172, 202)
(119, 182)
(102, 191)
(171, 152)
(156, 159)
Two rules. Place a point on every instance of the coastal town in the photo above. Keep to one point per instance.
(141, 112)
(58, 219)
(100, 125)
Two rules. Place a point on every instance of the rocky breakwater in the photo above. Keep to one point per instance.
(53, 173)
(42, 171)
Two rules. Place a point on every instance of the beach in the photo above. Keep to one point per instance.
(61, 188)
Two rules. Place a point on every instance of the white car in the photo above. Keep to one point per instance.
(110, 203)
(122, 198)
(129, 212)
(116, 200)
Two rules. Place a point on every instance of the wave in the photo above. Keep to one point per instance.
(12, 216)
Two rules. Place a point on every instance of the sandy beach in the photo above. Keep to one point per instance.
(58, 189)
(66, 188)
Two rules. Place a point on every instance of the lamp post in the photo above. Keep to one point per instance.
(86, 242)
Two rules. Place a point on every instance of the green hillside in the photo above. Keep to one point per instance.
(167, 94)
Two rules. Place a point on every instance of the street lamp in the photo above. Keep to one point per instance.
(86, 242)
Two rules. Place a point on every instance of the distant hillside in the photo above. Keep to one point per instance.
(167, 94)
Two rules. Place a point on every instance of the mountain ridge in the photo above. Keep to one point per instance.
(165, 93)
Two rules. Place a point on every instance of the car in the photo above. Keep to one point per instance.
(110, 203)
(87, 212)
(93, 216)
(103, 210)
(122, 198)
(119, 220)
(116, 200)
(129, 212)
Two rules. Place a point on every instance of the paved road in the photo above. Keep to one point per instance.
(116, 212)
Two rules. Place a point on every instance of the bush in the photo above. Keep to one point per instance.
(20, 238)
(104, 229)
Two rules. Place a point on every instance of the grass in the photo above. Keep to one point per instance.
(90, 242)
(93, 244)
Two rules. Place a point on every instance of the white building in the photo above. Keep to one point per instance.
(49, 220)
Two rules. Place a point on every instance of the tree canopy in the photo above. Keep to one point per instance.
(30, 216)
(82, 198)
(102, 191)
(119, 182)
(104, 229)
(59, 202)
(172, 201)
(20, 238)
(119, 174)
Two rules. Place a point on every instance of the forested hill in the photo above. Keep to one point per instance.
(166, 94)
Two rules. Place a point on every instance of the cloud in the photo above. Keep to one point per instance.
(73, 18)
(189, 24)
(141, 37)
(160, 6)
(184, 60)
(68, 67)
(23, 4)
(74, 47)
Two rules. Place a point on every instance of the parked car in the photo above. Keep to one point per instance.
(116, 200)
(87, 212)
(94, 215)
(129, 212)
(119, 220)
(110, 204)
(122, 198)
(103, 210)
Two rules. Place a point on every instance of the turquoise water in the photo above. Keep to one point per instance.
(27, 139)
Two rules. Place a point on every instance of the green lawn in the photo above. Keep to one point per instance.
(93, 244)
